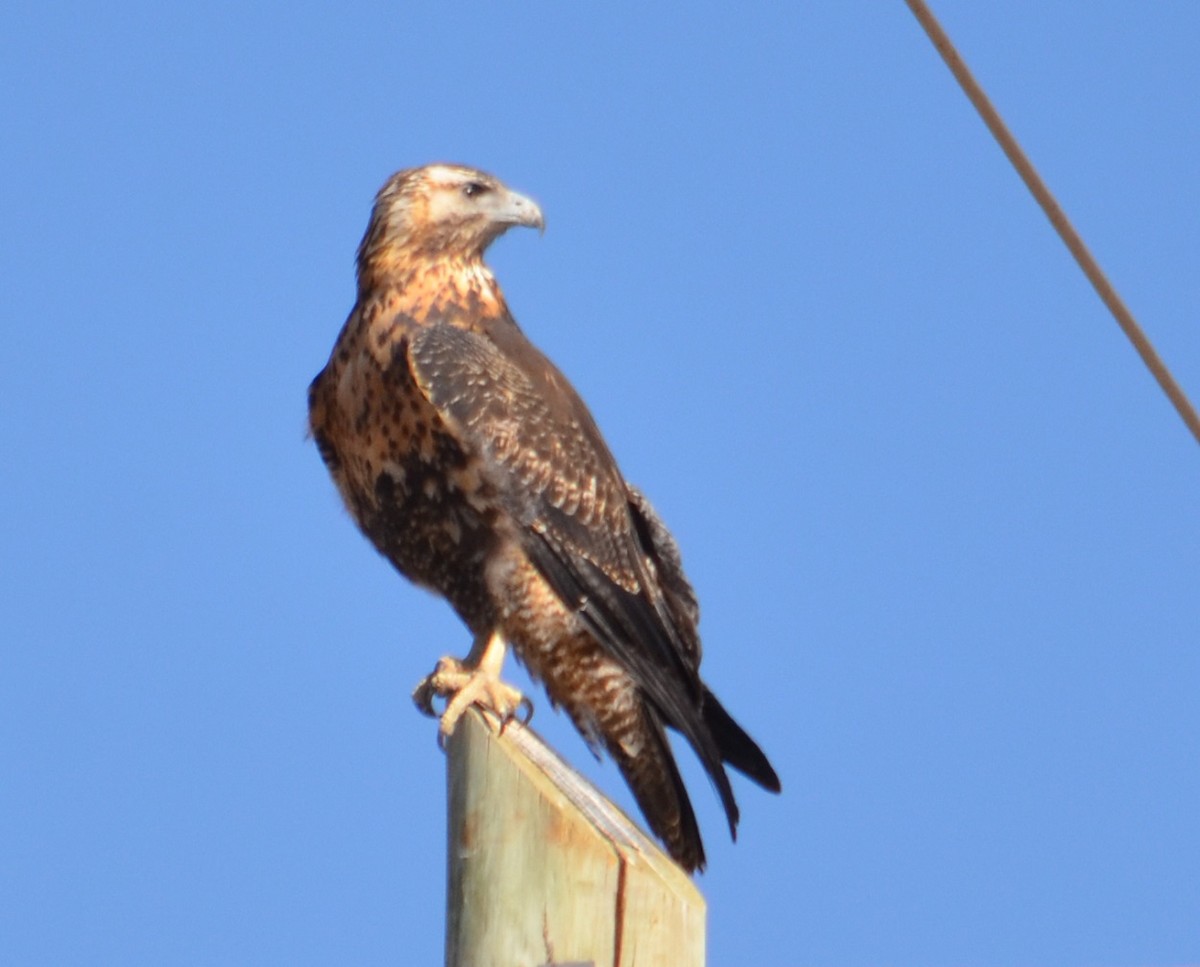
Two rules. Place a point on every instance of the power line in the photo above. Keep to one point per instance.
(1058, 219)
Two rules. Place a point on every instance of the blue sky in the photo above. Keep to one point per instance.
(944, 526)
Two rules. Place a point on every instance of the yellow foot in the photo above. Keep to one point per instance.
(463, 686)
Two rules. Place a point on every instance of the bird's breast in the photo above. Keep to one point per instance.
(417, 490)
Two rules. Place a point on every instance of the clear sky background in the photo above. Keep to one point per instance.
(944, 526)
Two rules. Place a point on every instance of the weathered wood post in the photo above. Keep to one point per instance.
(543, 870)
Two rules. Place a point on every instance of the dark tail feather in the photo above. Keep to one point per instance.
(736, 747)
(658, 788)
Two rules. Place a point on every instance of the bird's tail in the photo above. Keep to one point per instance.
(735, 746)
(654, 777)
(631, 731)
(643, 754)
(646, 761)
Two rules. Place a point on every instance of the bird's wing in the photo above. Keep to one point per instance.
(735, 746)
(599, 545)
(659, 544)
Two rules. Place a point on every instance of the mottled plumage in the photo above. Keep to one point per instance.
(471, 464)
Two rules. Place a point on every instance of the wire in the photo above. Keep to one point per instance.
(1050, 206)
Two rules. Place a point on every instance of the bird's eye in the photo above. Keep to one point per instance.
(473, 188)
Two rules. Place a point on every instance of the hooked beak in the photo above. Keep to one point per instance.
(516, 209)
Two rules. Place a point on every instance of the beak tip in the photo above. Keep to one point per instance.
(535, 219)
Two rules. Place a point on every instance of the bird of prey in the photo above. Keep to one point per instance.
(472, 465)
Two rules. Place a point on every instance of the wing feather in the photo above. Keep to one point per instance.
(598, 543)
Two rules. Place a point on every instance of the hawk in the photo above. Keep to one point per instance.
(472, 465)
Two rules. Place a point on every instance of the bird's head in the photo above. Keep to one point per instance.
(441, 211)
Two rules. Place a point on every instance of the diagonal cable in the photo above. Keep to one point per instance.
(1050, 206)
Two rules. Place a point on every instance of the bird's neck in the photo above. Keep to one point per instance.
(428, 290)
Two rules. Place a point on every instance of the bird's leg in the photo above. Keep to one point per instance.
(473, 681)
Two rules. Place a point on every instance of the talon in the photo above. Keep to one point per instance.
(527, 705)
(440, 683)
(521, 714)
(475, 681)
(422, 697)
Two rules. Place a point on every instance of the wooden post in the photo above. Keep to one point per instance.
(543, 870)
